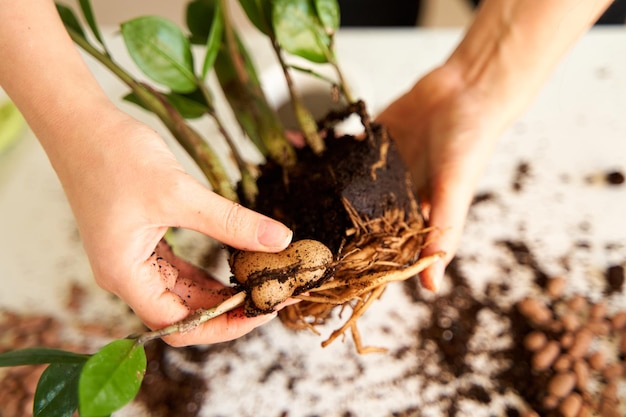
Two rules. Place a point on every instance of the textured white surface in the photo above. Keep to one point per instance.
(574, 130)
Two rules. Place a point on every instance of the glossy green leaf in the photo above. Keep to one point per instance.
(57, 391)
(111, 378)
(328, 13)
(214, 41)
(38, 356)
(259, 12)
(187, 105)
(70, 21)
(161, 50)
(299, 30)
(85, 6)
(198, 14)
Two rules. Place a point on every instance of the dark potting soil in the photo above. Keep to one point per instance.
(308, 198)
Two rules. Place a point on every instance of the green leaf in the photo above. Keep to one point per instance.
(111, 378)
(215, 40)
(69, 19)
(57, 391)
(161, 50)
(259, 12)
(85, 6)
(37, 356)
(328, 13)
(198, 13)
(187, 105)
(299, 30)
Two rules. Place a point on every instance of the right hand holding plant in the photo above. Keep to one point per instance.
(445, 132)
(130, 191)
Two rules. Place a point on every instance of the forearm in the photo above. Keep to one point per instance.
(512, 47)
(46, 77)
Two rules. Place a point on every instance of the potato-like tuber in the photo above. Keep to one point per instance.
(271, 278)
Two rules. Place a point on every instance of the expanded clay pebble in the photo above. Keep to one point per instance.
(561, 384)
(597, 361)
(568, 345)
(544, 358)
(618, 321)
(570, 321)
(581, 370)
(556, 287)
(536, 311)
(535, 341)
(582, 341)
(563, 363)
(570, 407)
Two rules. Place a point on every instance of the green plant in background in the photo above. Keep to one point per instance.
(12, 124)
(99, 384)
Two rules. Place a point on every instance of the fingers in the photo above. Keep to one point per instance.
(226, 221)
(160, 296)
(224, 328)
(447, 212)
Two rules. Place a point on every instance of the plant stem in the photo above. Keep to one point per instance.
(248, 183)
(194, 320)
(237, 76)
(304, 117)
(204, 156)
(343, 85)
(347, 93)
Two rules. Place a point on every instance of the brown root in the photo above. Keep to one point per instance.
(380, 251)
(357, 199)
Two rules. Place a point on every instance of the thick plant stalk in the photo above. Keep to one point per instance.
(199, 150)
(303, 115)
(242, 88)
(248, 183)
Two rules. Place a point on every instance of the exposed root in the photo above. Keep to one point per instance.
(358, 200)
(378, 251)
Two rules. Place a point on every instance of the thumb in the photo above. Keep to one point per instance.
(229, 222)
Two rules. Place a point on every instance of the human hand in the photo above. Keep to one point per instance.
(129, 191)
(445, 133)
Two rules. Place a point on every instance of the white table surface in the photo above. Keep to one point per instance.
(576, 128)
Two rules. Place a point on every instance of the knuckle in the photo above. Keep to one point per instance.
(234, 219)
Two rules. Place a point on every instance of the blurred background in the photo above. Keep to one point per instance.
(433, 13)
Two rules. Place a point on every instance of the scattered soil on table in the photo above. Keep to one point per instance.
(20, 330)
(168, 390)
(522, 176)
(615, 178)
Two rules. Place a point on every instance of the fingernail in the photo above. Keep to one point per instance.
(273, 235)
(438, 270)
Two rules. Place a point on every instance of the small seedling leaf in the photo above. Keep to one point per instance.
(111, 378)
(69, 19)
(161, 50)
(38, 356)
(57, 391)
(328, 13)
(214, 41)
(299, 30)
(259, 12)
(85, 7)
